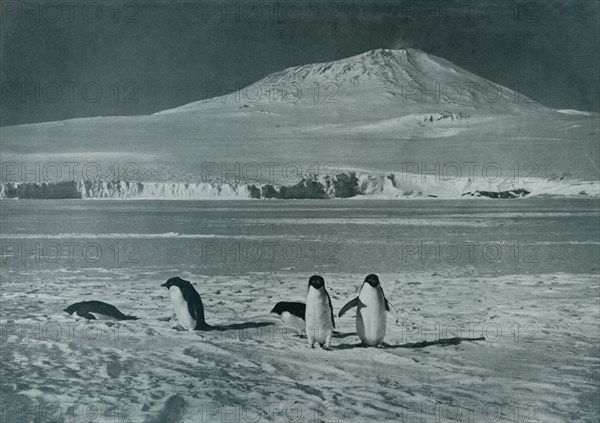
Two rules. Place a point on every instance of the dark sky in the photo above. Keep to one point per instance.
(98, 58)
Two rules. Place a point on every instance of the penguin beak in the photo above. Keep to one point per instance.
(164, 284)
(373, 281)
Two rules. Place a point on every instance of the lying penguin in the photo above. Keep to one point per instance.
(371, 306)
(286, 309)
(97, 310)
(187, 303)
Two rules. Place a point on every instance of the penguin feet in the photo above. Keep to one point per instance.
(326, 346)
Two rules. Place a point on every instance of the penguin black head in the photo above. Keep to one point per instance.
(176, 281)
(70, 309)
(316, 282)
(372, 280)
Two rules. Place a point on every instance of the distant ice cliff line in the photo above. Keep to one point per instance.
(342, 185)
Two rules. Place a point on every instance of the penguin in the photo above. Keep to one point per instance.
(187, 303)
(285, 309)
(97, 310)
(370, 314)
(292, 315)
(319, 313)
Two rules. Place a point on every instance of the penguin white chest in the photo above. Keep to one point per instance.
(319, 326)
(370, 316)
(100, 316)
(181, 309)
(293, 322)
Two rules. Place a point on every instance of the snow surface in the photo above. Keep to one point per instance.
(539, 314)
(148, 371)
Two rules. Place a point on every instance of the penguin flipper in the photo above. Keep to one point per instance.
(88, 316)
(389, 305)
(194, 304)
(125, 317)
(331, 308)
(348, 306)
(197, 313)
(196, 309)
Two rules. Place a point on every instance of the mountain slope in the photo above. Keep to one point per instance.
(404, 77)
(377, 113)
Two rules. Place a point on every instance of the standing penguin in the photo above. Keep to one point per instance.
(370, 314)
(319, 313)
(187, 303)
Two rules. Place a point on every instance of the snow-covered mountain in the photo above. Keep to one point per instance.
(403, 77)
(375, 115)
